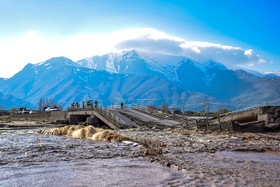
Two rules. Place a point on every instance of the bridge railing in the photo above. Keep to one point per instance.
(158, 113)
(109, 115)
(144, 109)
(151, 111)
(161, 114)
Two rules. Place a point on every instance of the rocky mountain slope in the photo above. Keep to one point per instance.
(209, 77)
(65, 81)
(137, 77)
(9, 101)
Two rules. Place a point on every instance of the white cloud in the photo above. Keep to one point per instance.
(251, 64)
(262, 61)
(33, 48)
(248, 52)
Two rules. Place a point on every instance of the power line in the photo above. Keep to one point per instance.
(147, 99)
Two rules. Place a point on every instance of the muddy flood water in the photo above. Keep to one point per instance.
(28, 158)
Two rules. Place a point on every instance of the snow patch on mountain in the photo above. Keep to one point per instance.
(36, 70)
(214, 65)
(165, 64)
(272, 74)
(39, 64)
(133, 62)
(160, 59)
(110, 64)
(200, 66)
(262, 74)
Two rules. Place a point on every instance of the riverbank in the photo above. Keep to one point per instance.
(15, 125)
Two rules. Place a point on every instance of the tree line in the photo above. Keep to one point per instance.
(49, 102)
(164, 107)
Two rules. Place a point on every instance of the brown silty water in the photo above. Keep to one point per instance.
(29, 158)
(86, 132)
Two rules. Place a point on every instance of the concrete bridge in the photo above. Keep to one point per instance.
(135, 116)
(250, 119)
(98, 116)
(118, 118)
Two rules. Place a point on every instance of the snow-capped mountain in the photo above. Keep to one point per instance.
(127, 62)
(209, 77)
(165, 66)
(272, 74)
(263, 74)
(65, 81)
(141, 78)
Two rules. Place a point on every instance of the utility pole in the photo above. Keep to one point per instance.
(173, 112)
(113, 104)
(207, 109)
(203, 110)
(207, 122)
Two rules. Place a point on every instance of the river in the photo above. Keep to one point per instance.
(32, 159)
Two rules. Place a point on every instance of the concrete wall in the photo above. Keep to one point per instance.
(76, 119)
(242, 116)
(256, 120)
(216, 126)
(254, 127)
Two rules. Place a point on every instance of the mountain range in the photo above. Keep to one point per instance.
(143, 78)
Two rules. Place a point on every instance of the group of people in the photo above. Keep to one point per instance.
(88, 104)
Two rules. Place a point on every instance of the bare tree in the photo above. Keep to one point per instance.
(151, 106)
(221, 111)
(14, 110)
(40, 105)
(164, 107)
(49, 102)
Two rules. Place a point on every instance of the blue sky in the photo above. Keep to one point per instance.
(249, 25)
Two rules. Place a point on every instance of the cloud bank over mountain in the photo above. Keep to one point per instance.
(33, 48)
(156, 41)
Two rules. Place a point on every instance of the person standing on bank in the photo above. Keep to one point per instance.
(91, 104)
(95, 103)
